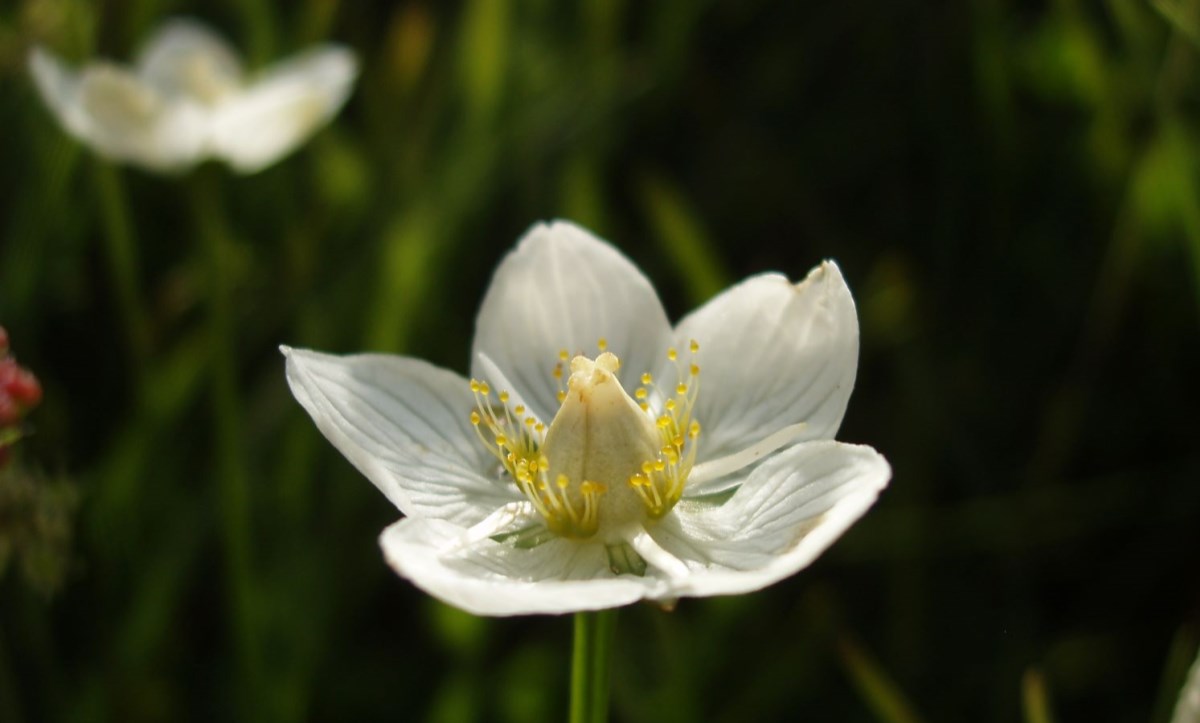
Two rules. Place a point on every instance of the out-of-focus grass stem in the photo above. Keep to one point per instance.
(121, 258)
(10, 706)
(1035, 698)
(228, 435)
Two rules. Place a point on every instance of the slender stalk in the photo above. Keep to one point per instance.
(591, 664)
(230, 469)
(121, 257)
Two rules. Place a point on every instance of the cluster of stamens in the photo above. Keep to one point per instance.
(571, 508)
(661, 481)
(516, 441)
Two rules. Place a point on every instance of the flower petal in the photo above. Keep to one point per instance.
(286, 105)
(404, 424)
(127, 120)
(563, 288)
(59, 88)
(773, 354)
(185, 58)
(789, 510)
(491, 578)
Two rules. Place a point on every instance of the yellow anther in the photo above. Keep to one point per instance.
(694, 346)
(670, 405)
(504, 397)
(695, 370)
(659, 465)
(647, 467)
(530, 421)
(681, 389)
(561, 396)
(518, 410)
(484, 389)
(645, 406)
(602, 344)
(562, 482)
(558, 372)
(641, 393)
(474, 385)
(563, 355)
(672, 354)
(501, 440)
(694, 430)
(592, 488)
(664, 422)
(474, 417)
(539, 427)
(646, 378)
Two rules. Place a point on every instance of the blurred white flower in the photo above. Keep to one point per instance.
(600, 456)
(188, 99)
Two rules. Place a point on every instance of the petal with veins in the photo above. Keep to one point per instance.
(789, 510)
(773, 354)
(563, 288)
(403, 423)
(492, 578)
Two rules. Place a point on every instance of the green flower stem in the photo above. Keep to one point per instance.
(230, 466)
(591, 664)
(121, 257)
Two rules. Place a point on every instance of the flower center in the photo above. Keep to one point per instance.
(607, 459)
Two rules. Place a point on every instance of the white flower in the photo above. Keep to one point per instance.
(188, 99)
(600, 456)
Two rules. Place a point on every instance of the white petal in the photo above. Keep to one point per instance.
(563, 288)
(404, 424)
(773, 354)
(491, 578)
(185, 58)
(59, 88)
(789, 510)
(281, 109)
(721, 473)
(127, 120)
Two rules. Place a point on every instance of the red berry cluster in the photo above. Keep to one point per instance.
(19, 392)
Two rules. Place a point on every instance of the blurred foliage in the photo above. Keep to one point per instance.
(1010, 188)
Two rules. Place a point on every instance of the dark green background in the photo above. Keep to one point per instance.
(1012, 190)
